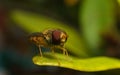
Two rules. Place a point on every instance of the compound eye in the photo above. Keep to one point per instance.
(56, 37)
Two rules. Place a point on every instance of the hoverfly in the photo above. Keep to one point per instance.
(51, 38)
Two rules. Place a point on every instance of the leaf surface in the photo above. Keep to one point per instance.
(89, 64)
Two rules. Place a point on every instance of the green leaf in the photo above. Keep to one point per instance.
(88, 64)
(96, 17)
(36, 23)
(118, 1)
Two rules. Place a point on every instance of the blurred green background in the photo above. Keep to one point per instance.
(93, 27)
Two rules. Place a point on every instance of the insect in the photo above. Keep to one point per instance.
(51, 38)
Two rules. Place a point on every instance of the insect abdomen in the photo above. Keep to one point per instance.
(38, 39)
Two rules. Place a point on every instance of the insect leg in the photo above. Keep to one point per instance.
(65, 51)
(53, 52)
(52, 49)
(39, 47)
